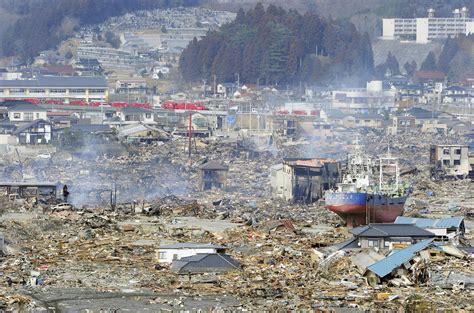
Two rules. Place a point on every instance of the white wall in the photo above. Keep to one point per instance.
(36, 115)
(7, 139)
(469, 28)
(422, 30)
(170, 254)
(388, 27)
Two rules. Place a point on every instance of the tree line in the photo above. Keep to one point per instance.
(275, 46)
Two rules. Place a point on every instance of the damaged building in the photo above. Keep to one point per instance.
(449, 161)
(213, 175)
(304, 179)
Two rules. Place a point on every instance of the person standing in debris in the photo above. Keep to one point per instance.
(65, 193)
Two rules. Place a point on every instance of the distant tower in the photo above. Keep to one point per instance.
(464, 12)
(431, 13)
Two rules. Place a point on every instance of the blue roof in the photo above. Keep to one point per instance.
(449, 222)
(385, 266)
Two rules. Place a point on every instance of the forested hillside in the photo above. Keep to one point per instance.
(275, 46)
(44, 23)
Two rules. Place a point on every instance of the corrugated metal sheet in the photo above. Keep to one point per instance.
(449, 222)
(387, 265)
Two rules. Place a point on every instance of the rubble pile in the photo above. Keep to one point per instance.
(123, 208)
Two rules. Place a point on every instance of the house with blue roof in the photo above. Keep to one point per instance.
(396, 264)
(441, 227)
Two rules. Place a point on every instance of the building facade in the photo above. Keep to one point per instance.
(424, 30)
(450, 160)
(66, 89)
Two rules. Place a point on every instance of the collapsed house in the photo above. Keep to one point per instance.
(396, 264)
(304, 179)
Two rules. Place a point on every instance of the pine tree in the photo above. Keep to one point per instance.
(429, 64)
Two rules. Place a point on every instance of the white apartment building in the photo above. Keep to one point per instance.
(89, 89)
(424, 30)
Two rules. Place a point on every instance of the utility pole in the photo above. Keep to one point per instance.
(238, 80)
(190, 132)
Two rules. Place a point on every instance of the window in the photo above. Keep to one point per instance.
(446, 151)
(28, 116)
(386, 243)
(77, 91)
(457, 151)
(161, 255)
(57, 90)
(17, 90)
(16, 115)
(373, 243)
(457, 162)
(175, 256)
(148, 115)
(37, 90)
(96, 90)
(445, 162)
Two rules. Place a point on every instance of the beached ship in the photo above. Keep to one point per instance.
(358, 200)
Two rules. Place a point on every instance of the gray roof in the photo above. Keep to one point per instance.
(133, 110)
(90, 128)
(191, 245)
(449, 222)
(58, 81)
(28, 125)
(214, 165)
(205, 263)
(385, 266)
(27, 107)
(390, 230)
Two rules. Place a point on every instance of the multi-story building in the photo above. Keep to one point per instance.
(450, 160)
(428, 28)
(67, 89)
(372, 97)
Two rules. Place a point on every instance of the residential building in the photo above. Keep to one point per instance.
(442, 227)
(177, 251)
(449, 160)
(425, 29)
(213, 175)
(304, 179)
(35, 132)
(131, 86)
(26, 112)
(363, 120)
(386, 236)
(132, 115)
(89, 89)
